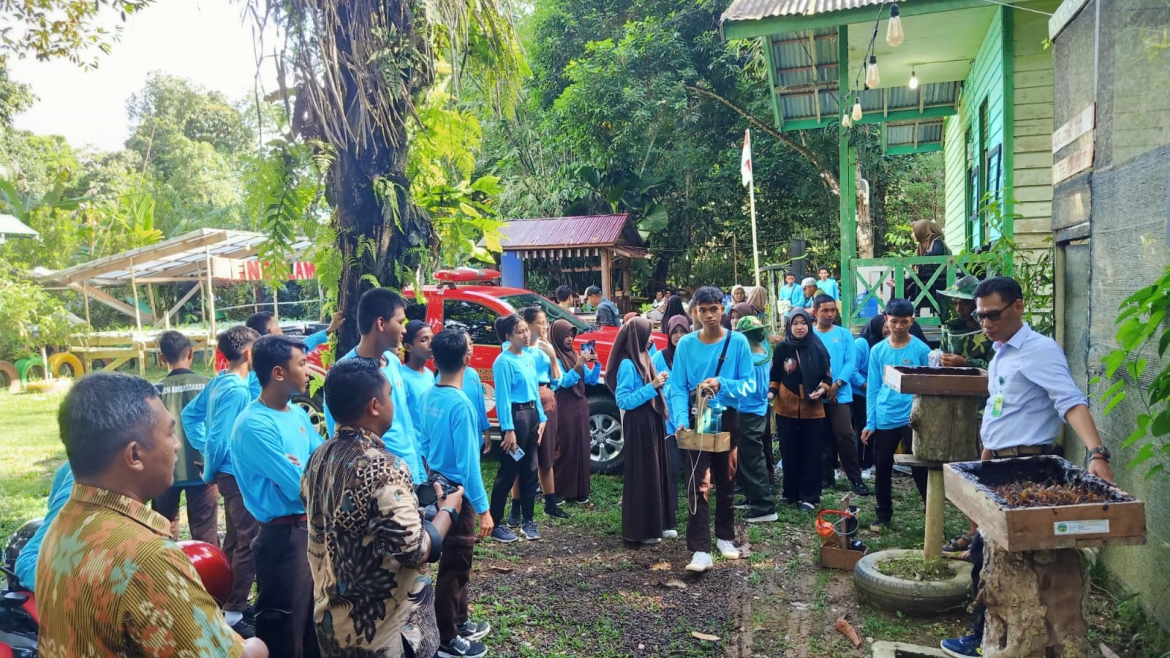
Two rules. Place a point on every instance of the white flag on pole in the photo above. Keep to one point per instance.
(745, 164)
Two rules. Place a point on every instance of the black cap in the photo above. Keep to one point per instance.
(592, 290)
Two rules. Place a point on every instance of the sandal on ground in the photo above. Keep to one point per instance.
(958, 544)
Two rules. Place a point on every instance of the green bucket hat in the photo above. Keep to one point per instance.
(964, 288)
(751, 324)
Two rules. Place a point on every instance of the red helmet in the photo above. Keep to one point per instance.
(212, 566)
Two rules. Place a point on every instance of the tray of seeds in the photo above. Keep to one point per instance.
(1044, 502)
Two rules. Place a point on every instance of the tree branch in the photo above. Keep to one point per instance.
(827, 174)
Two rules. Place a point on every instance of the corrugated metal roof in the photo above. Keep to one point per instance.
(748, 10)
(914, 133)
(589, 230)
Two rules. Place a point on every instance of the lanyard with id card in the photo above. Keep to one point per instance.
(997, 401)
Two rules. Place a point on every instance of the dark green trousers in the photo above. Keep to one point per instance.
(753, 464)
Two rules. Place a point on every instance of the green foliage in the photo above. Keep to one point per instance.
(70, 29)
(1032, 268)
(1142, 329)
(31, 317)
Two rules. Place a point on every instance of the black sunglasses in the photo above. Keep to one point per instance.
(994, 316)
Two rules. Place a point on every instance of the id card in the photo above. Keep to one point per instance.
(518, 453)
(997, 405)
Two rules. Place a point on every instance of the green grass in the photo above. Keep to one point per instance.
(29, 453)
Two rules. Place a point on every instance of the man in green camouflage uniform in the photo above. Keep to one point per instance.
(964, 343)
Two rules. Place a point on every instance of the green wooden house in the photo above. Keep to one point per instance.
(972, 79)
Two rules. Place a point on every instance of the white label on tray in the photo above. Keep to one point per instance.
(1094, 527)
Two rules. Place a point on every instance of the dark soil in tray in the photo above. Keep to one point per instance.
(927, 370)
(1039, 481)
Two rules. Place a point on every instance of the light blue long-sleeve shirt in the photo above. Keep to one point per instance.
(473, 389)
(756, 403)
(838, 341)
(631, 391)
(515, 381)
(209, 419)
(261, 443)
(695, 361)
(417, 385)
(401, 439)
(886, 408)
(570, 377)
(830, 287)
(312, 342)
(788, 292)
(542, 363)
(26, 562)
(861, 374)
(1031, 373)
(453, 446)
(659, 361)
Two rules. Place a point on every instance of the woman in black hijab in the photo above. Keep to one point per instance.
(875, 331)
(674, 306)
(800, 378)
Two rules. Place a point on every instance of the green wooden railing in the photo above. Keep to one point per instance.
(903, 271)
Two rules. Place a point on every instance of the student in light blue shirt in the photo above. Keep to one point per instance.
(208, 421)
(416, 376)
(522, 422)
(789, 289)
(548, 370)
(382, 323)
(26, 562)
(753, 424)
(838, 342)
(453, 452)
(581, 369)
(270, 445)
(858, 385)
(887, 411)
(701, 361)
(827, 284)
(266, 324)
(676, 327)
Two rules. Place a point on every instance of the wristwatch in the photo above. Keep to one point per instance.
(451, 511)
(1100, 452)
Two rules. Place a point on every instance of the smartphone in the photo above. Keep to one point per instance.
(589, 346)
(518, 453)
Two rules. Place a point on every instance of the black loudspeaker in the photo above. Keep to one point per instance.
(798, 264)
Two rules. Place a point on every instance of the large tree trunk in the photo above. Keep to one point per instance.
(1035, 603)
(380, 230)
(946, 427)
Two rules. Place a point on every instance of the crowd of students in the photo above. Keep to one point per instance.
(337, 534)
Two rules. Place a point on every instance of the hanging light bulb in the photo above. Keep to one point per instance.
(913, 80)
(857, 108)
(846, 120)
(872, 79)
(894, 34)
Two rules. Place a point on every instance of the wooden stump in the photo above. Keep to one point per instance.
(1035, 603)
(946, 428)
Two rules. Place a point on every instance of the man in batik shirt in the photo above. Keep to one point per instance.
(110, 582)
(369, 547)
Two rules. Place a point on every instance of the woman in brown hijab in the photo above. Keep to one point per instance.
(648, 504)
(929, 237)
(571, 464)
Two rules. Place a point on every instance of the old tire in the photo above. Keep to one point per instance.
(9, 378)
(64, 364)
(30, 369)
(315, 411)
(606, 444)
(911, 597)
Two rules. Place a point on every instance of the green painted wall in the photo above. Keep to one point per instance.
(983, 84)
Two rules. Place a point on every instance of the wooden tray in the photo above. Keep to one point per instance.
(1119, 523)
(921, 380)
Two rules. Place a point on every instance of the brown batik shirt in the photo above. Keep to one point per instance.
(368, 551)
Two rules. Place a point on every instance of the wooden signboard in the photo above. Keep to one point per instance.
(1079, 125)
(937, 381)
(1045, 528)
(1075, 163)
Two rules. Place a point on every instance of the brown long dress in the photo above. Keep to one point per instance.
(571, 466)
(649, 503)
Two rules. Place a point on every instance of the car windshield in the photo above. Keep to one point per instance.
(550, 309)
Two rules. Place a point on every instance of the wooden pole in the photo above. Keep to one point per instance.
(153, 306)
(320, 301)
(734, 260)
(275, 303)
(935, 497)
(210, 290)
(85, 296)
(134, 288)
(606, 274)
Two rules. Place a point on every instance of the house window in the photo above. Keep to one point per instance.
(477, 320)
(984, 179)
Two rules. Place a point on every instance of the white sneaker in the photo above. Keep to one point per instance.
(670, 534)
(701, 562)
(727, 549)
(767, 518)
(652, 540)
(867, 474)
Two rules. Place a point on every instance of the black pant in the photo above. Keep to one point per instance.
(976, 584)
(284, 605)
(451, 586)
(753, 464)
(702, 470)
(202, 511)
(526, 423)
(840, 442)
(885, 445)
(802, 442)
(864, 452)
